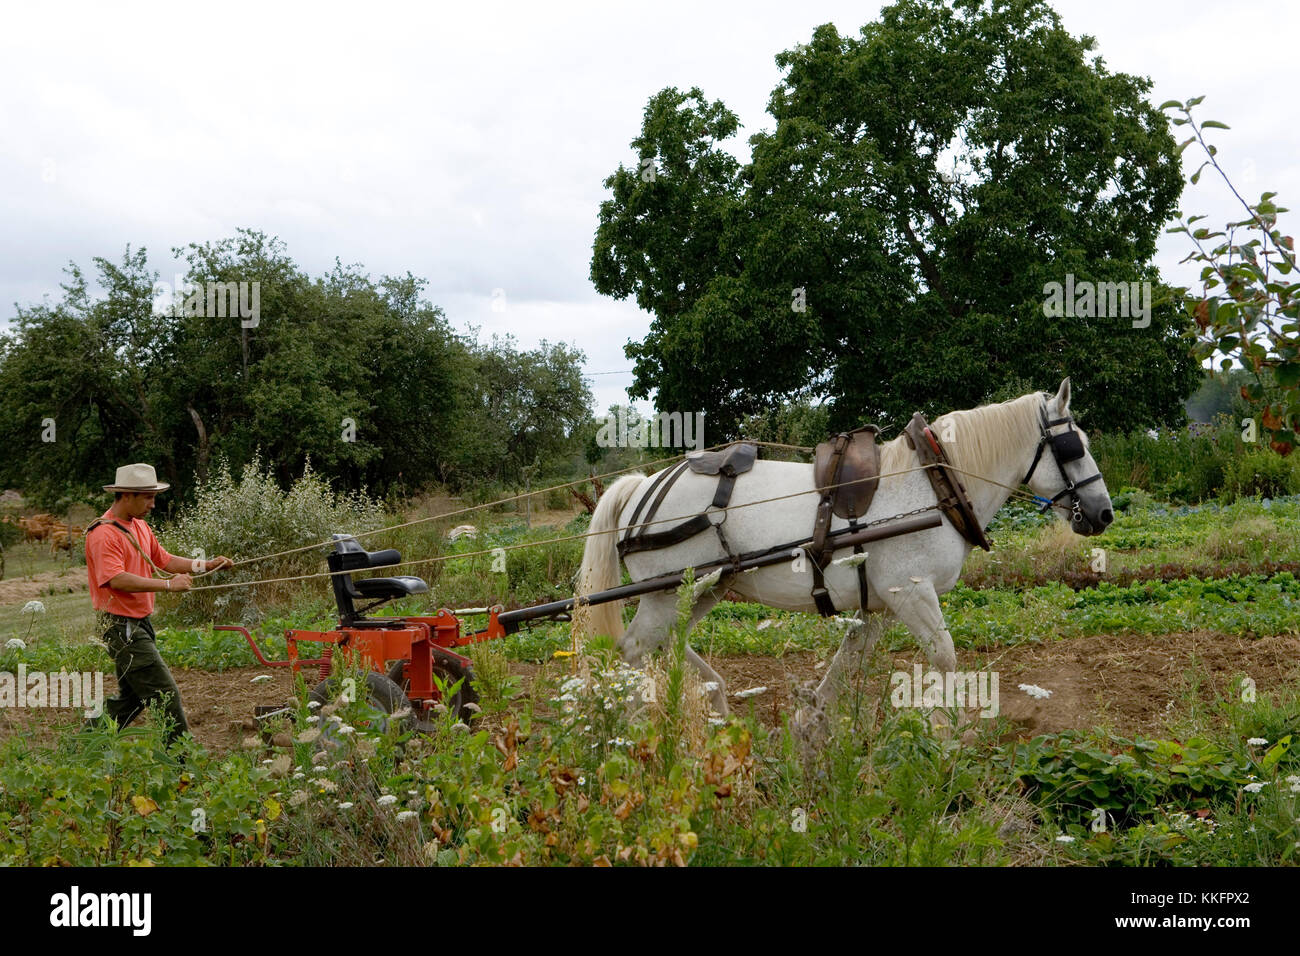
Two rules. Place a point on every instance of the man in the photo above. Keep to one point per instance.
(121, 556)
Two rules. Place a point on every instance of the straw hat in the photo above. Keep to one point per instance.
(138, 478)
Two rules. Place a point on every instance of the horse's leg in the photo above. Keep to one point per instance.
(655, 614)
(917, 606)
(655, 617)
(707, 602)
(811, 724)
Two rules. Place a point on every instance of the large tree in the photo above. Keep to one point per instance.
(889, 242)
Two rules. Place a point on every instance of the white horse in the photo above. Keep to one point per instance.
(1029, 440)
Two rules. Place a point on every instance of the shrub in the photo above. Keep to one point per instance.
(1187, 465)
(251, 516)
(1263, 473)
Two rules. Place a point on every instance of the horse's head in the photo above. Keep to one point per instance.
(1063, 473)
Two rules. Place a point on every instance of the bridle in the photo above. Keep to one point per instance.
(1066, 447)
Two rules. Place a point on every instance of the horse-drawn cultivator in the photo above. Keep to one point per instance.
(413, 661)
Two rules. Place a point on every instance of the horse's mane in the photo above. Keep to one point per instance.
(980, 436)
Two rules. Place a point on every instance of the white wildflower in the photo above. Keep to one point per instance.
(460, 727)
(33, 607)
(404, 815)
(1257, 741)
(387, 800)
(313, 704)
(15, 644)
(347, 805)
(1255, 787)
(1063, 838)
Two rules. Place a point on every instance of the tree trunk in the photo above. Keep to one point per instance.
(202, 468)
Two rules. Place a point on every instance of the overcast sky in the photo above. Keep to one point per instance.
(467, 143)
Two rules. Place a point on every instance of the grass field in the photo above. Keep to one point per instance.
(1174, 672)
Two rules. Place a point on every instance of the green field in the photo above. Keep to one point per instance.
(589, 772)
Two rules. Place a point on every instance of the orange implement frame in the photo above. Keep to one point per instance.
(420, 642)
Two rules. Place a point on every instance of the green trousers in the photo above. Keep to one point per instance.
(142, 677)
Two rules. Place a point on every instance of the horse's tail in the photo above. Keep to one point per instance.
(600, 558)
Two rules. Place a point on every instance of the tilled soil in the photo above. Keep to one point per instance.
(1130, 684)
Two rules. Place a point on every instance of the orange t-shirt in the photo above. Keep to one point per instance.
(109, 553)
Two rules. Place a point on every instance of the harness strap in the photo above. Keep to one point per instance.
(818, 554)
(130, 537)
(638, 539)
(1042, 442)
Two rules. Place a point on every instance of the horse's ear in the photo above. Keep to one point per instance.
(1063, 396)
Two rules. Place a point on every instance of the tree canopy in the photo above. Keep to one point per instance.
(364, 377)
(890, 242)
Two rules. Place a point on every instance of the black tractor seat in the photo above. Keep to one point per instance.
(390, 588)
(350, 556)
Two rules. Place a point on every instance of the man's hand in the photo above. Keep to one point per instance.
(220, 562)
(181, 582)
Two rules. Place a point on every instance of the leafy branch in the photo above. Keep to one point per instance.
(1253, 320)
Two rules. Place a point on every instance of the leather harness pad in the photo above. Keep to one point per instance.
(733, 460)
(847, 468)
(953, 500)
(727, 463)
(841, 464)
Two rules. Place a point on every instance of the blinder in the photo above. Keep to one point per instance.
(1067, 446)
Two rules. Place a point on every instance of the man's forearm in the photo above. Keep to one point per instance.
(133, 582)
